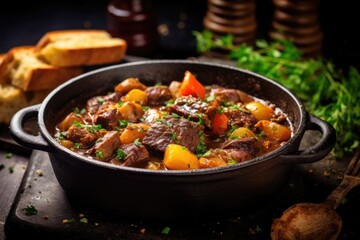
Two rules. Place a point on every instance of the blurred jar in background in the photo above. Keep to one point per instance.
(135, 21)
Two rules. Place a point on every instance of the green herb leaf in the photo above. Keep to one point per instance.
(120, 154)
(166, 230)
(30, 210)
(137, 142)
(327, 92)
(99, 153)
(123, 123)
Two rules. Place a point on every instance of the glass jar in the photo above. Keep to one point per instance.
(135, 21)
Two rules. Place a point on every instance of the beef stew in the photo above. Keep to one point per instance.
(182, 126)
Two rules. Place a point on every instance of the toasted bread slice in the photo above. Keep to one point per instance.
(2, 56)
(81, 48)
(23, 69)
(12, 99)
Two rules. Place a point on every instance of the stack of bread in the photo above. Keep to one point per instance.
(29, 73)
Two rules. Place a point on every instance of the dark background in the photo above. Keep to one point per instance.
(25, 23)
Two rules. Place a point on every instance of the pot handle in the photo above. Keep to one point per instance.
(21, 136)
(320, 149)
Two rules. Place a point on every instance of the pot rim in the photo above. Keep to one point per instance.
(196, 172)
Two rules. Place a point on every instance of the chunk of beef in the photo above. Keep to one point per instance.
(106, 145)
(238, 155)
(135, 155)
(223, 157)
(170, 129)
(130, 111)
(225, 94)
(127, 85)
(229, 95)
(107, 118)
(85, 136)
(238, 116)
(158, 95)
(151, 115)
(247, 144)
(94, 103)
(174, 88)
(194, 109)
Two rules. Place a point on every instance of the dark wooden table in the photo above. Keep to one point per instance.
(13, 164)
(21, 185)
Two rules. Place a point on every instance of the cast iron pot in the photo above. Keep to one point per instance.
(142, 193)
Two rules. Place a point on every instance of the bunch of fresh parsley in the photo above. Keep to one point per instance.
(326, 91)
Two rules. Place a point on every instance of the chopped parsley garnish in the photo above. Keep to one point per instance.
(200, 117)
(30, 210)
(210, 98)
(76, 146)
(11, 169)
(83, 220)
(258, 229)
(169, 103)
(173, 136)
(79, 112)
(201, 147)
(237, 107)
(231, 162)
(90, 128)
(62, 136)
(99, 153)
(120, 154)
(208, 153)
(145, 108)
(100, 100)
(166, 230)
(260, 135)
(8, 155)
(226, 104)
(2, 166)
(137, 142)
(123, 123)
(175, 115)
(229, 132)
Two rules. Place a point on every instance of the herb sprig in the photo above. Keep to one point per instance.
(327, 92)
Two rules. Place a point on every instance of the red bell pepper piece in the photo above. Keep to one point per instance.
(191, 86)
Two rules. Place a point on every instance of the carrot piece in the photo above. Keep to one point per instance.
(219, 123)
(191, 86)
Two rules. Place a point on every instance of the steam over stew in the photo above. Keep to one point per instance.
(185, 125)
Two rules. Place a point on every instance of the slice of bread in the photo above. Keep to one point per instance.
(12, 99)
(80, 48)
(22, 68)
(2, 56)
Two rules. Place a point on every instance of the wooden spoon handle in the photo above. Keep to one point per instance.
(335, 197)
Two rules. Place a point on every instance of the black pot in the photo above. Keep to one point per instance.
(142, 193)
